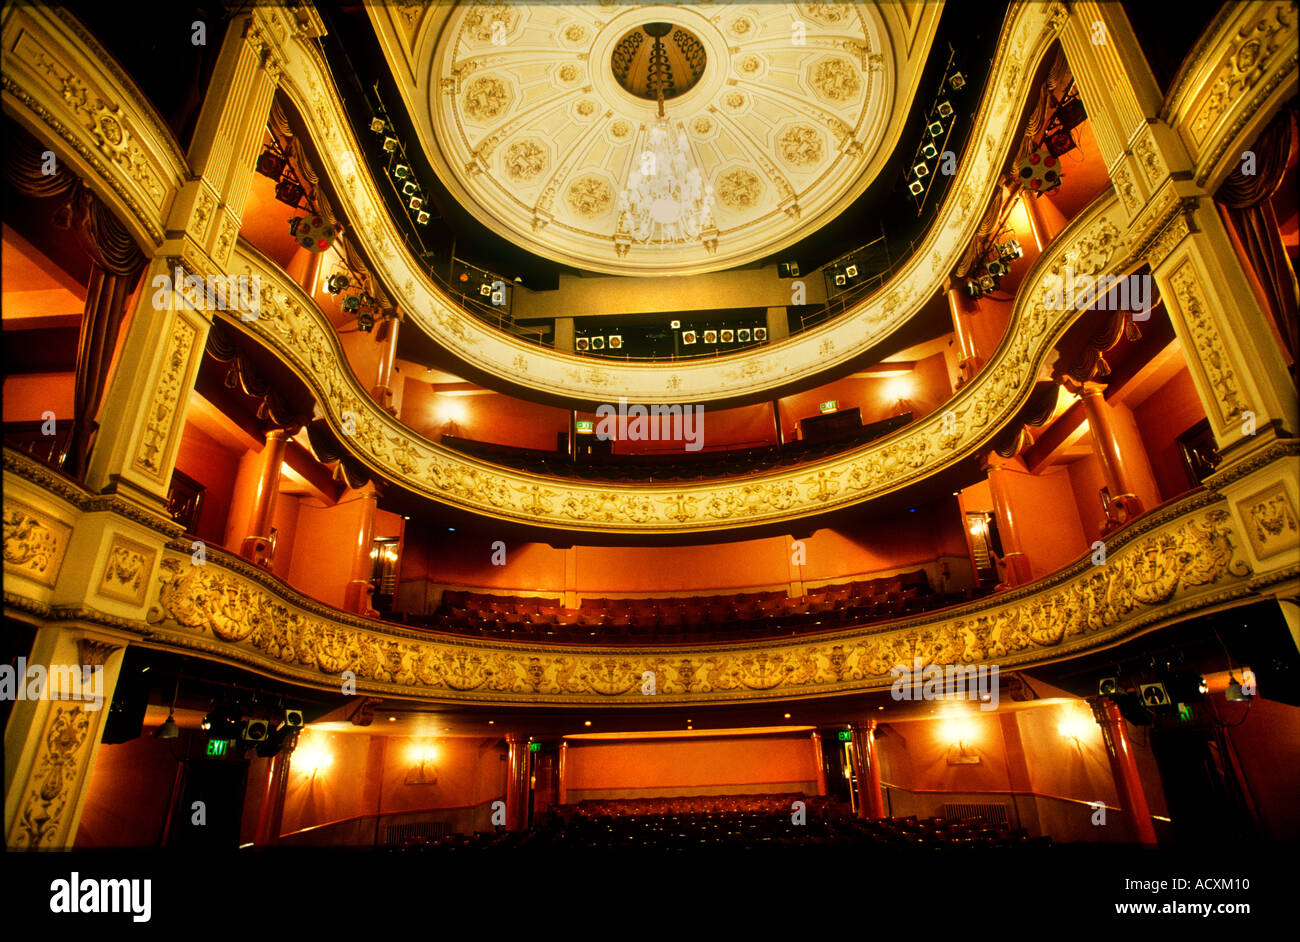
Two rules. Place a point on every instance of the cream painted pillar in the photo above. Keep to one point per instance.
(778, 324)
(144, 404)
(51, 741)
(564, 334)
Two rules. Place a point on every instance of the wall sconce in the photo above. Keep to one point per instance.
(959, 730)
(1075, 725)
(422, 770)
(314, 755)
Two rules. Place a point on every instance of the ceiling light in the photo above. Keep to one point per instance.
(787, 716)
(169, 729)
(492, 722)
(392, 719)
(586, 722)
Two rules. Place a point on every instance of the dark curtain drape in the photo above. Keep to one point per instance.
(115, 266)
(1245, 202)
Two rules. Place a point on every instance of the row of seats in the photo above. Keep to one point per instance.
(733, 822)
(683, 466)
(674, 619)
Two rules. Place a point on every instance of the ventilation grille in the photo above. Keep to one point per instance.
(992, 814)
(401, 833)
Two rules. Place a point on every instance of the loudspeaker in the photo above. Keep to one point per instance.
(125, 720)
(787, 269)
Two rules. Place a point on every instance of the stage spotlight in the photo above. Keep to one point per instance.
(390, 144)
(935, 128)
(1062, 142)
(401, 171)
(351, 304)
(168, 729)
(1108, 687)
(271, 164)
(598, 343)
(1009, 250)
(365, 320)
(921, 170)
(787, 270)
(1234, 691)
(957, 81)
(929, 151)
(851, 271)
(415, 203)
(996, 269)
(255, 730)
(840, 280)
(410, 188)
(293, 718)
(974, 289)
(988, 283)
(377, 125)
(1071, 114)
(760, 333)
(581, 344)
(1155, 695)
(674, 324)
(286, 191)
(422, 218)
(916, 188)
(944, 110)
(485, 290)
(336, 283)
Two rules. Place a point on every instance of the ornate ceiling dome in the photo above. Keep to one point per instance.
(535, 115)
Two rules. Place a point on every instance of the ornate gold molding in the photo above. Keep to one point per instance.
(1024, 40)
(57, 80)
(293, 327)
(51, 785)
(1183, 558)
(35, 543)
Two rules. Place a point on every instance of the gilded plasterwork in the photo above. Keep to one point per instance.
(1270, 521)
(126, 570)
(1189, 555)
(160, 419)
(41, 814)
(1213, 358)
(300, 334)
(35, 543)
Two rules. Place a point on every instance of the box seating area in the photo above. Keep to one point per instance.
(685, 618)
(744, 822)
(677, 466)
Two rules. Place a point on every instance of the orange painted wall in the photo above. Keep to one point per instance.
(915, 755)
(1267, 745)
(690, 766)
(1166, 414)
(28, 395)
(213, 465)
(989, 324)
(1051, 533)
(369, 773)
(1086, 480)
(488, 417)
(1133, 450)
(324, 539)
(130, 786)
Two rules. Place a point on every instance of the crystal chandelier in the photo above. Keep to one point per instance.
(666, 200)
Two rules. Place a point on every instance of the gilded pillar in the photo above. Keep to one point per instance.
(561, 784)
(383, 391)
(1018, 570)
(1124, 768)
(257, 538)
(517, 782)
(968, 359)
(821, 762)
(360, 587)
(871, 803)
(54, 731)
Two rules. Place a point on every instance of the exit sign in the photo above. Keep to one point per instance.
(845, 735)
(218, 747)
(534, 747)
(586, 426)
(830, 405)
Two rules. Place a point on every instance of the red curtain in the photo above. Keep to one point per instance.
(1245, 203)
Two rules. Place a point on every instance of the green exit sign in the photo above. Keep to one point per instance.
(586, 426)
(218, 747)
(534, 747)
(830, 405)
(845, 735)
(1184, 713)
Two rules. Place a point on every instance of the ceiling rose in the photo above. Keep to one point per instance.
(540, 114)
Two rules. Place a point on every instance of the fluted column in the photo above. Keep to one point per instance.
(561, 785)
(383, 391)
(820, 759)
(517, 782)
(257, 536)
(359, 590)
(1018, 569)
(871, 803)
(1124, 768)
(1124, 502)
